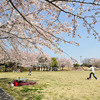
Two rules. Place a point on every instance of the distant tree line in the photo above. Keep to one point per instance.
(91, 61)
(26, 60)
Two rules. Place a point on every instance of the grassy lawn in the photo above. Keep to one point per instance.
(56, 85)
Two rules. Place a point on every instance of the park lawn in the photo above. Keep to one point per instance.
(53, 85)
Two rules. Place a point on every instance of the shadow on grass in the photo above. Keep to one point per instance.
(5, 80)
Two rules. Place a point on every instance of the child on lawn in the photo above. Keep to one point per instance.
(92, 72)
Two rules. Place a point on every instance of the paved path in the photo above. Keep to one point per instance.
(4, 95)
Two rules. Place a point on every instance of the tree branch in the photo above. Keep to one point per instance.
(83, 18)
(93, 3)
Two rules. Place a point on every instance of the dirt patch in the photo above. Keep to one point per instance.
(77, 69)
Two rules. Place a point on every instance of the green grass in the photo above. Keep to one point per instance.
(56, 85)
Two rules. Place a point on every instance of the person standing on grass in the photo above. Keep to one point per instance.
(92, 72)
(29, 72)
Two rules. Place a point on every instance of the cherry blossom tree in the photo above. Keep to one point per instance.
(1, 56)
(91, 61)
(43, 58)
(34, 24)
(95, 62)
(30, 59)
(38, 61)
(4, 57)
(63, 62)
